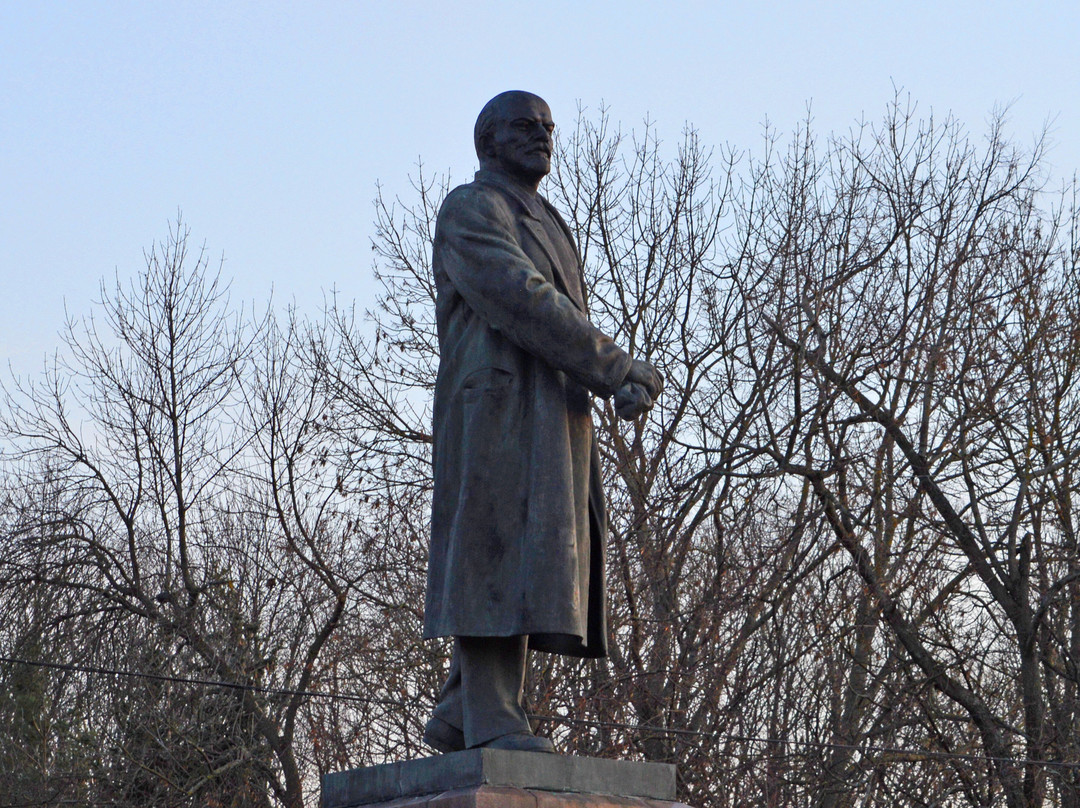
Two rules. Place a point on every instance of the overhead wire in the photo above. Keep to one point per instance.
(198, 681)
(911, 754)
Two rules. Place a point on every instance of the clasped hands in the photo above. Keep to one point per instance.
(641, 387)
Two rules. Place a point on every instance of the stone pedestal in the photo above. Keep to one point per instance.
(495, 778)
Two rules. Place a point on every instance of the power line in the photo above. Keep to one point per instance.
(639, 729)
(206, 682)
(912, 755)
(50, 803)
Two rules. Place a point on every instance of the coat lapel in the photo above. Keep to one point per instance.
(536, 230)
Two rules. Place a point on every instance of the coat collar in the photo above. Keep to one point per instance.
(531, 204)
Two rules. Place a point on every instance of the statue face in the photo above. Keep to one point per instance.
(521, 143)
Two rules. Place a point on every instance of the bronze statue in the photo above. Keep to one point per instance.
(518, 521)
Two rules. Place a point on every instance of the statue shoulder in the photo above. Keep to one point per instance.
(475, 202)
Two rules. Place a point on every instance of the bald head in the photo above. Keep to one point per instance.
(512, 135)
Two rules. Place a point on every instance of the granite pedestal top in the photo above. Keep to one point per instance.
(474, 768)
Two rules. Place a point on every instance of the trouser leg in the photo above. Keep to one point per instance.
(482, 695)
(492, 678)
(449, 708)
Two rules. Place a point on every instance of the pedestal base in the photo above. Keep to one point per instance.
(495, 778)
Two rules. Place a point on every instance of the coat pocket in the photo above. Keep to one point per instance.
(490, 380)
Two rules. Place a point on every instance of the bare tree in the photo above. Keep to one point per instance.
(192, 504)
(918, 328)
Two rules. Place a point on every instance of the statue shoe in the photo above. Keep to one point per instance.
(443, 737)
(521, 742)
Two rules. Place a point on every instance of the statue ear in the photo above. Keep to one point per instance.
(487, 144)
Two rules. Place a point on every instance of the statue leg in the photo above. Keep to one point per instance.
(492, 678)
(481, 702)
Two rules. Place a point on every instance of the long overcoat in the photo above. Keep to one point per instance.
(518, 519)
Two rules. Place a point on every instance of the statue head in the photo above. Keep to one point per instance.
(513, 136)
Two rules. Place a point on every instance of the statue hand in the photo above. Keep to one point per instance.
(644, 374)
(632, 400)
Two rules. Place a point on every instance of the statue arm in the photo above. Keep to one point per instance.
(476, 245)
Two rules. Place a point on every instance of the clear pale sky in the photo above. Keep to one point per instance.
(268, 124)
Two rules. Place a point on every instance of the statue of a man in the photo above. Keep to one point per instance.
(518, 522)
